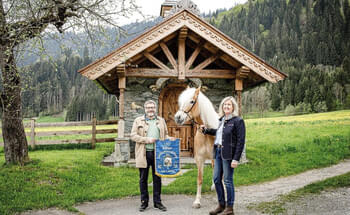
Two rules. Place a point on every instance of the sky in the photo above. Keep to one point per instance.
(151, 8)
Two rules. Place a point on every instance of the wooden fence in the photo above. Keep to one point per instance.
(93, 140)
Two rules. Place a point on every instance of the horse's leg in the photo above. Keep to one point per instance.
(200, 165)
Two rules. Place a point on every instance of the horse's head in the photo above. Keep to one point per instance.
(188, 105)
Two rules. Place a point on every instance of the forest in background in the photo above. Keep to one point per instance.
(309, 40)
(52, 85)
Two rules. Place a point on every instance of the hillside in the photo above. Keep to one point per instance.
(308, 40)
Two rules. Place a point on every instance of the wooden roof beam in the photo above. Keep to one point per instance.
(137, 59)
(195, 54)
(242, 72)
(152, 48)
(150, 73)
(121, 70)
(211, 73)
(156, 61)
(169, 55)
(207, 62)
(171, 36)
(207, 54)
(230, 61)
(196, 38)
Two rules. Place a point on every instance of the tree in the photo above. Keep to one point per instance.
(275, 97)
(21, 21)
(262, 100)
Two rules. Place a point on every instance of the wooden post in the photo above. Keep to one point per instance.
(182, 53)
(121, 85)
(241, 73)
(239, 88)
(93, 135)
(32, 133)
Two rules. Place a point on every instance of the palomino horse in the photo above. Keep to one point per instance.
(195, 106)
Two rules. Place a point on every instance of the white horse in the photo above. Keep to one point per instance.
(195, 106)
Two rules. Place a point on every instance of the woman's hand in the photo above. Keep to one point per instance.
(234, 163)
(203, 128)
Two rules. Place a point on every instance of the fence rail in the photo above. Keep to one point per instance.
(93, 140)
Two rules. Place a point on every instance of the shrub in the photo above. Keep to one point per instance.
(303, 108)
(290, 110)
(347, 102)
(321, 107)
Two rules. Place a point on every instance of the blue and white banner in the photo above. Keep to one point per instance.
(167, 158)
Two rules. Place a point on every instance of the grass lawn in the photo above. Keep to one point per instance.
(276, 147)
(62, 178)
(277, 206)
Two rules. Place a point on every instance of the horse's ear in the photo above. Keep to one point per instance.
(197, 91)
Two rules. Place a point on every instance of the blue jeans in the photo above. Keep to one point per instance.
(223, 168)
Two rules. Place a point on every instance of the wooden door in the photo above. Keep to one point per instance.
(168, 101)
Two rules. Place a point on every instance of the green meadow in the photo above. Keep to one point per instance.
(276, 147)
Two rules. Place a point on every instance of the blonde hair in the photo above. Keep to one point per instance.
(234, 103)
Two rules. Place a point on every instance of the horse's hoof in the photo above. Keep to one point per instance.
(196, 205)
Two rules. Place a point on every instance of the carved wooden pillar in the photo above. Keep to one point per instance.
(121, 85)
(181, 53)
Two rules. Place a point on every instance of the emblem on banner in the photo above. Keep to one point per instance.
(167, 154)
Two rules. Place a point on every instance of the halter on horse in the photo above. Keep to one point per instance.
(193, 103)
(196, 106)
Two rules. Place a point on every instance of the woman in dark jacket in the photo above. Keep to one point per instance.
(228, 147)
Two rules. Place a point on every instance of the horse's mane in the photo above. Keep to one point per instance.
(206, 108)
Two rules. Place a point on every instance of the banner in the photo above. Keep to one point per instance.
(167, 158)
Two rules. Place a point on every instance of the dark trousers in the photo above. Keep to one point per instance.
(157, 182)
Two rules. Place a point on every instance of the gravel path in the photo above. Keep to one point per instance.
(335, 202)
(245, 195)
(271, 190)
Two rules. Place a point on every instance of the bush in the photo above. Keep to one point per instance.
(347, 102)
(339, 105)
(321, 107)
(290, 110)
(303, 108)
